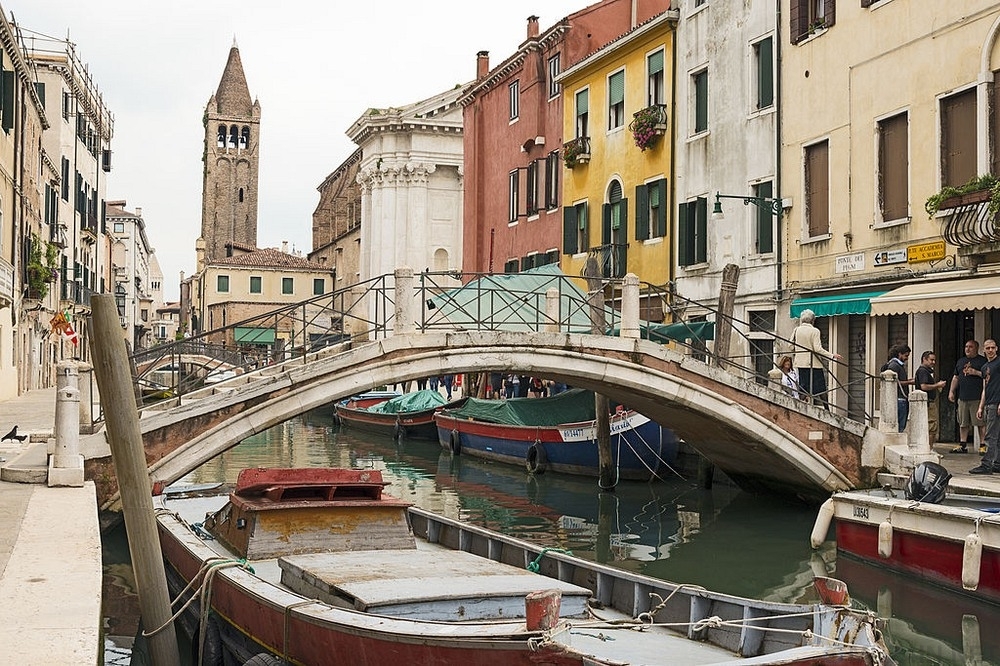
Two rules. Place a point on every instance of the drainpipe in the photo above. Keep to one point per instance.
(783, 227)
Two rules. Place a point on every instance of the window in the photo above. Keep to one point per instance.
(616, 100)
(958, 138)
(220, 141)
(287, 285)
(222, 284)
(582, 112)
(763, 228)
(614, 232)
(552, 168)
(808, 16)
(119, 227)
(692, 232)
(893, 168)
(699, 85)
(65, 179)
(654, 78)
(255, 284)
(244, 138)
(817, 181)
(67, 105)
(319, 286)
(651, 210)
(575, 228)
(531, 195)
(532, 260)
(554, 70)
(513, 201)
(512, 266)
(763, 55)
(515, 100)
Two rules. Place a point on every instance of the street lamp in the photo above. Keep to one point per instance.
(773, 206)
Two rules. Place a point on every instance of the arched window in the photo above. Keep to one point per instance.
(233, 136)
(614, 232)
(221, 142)
(244, 138)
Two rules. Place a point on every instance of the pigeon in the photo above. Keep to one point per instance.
(13, 435)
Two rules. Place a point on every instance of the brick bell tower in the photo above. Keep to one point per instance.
(229, 189)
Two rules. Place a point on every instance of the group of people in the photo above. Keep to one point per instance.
(976, 398)
(521, 386)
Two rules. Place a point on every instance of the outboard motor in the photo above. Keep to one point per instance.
(927, 483)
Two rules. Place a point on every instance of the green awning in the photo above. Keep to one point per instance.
(254, 336)
(835, 304)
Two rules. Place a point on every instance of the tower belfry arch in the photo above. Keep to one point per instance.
(231, 154)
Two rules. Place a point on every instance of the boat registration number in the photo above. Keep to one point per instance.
(861, 512)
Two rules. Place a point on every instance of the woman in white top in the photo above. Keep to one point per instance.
(789, 378)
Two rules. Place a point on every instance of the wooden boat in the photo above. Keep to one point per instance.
(556, 434)
(409, 416)
(317, 566)
(955, 543)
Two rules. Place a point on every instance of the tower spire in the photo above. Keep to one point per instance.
(233, 95)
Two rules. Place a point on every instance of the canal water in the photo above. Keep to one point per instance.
(723, 539)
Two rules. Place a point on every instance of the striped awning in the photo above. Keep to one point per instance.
(943, 296)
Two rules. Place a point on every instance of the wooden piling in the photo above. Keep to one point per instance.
(114, 382)
(598, 325)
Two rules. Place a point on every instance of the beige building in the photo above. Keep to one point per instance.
(884, 106)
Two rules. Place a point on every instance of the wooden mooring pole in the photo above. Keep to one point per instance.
(114, 381)
(598, 324)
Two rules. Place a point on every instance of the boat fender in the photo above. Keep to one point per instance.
(455, 443)
(397, 430)
(972, 556)
(885, 539)
(535, 459)
(822, 525)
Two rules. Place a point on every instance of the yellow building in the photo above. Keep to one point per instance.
(617, 186)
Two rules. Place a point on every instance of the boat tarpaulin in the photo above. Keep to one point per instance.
(570, 406)
(418, 401)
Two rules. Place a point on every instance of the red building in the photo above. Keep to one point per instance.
(513, 137)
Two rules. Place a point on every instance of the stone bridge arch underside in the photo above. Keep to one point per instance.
(760, 437)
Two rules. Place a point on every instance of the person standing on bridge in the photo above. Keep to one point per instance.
(966, 390)
(989, 410)
(923, 379)
(809, 355)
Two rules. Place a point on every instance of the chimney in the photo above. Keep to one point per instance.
(138, 211)
(532, 27)
(482, 64)
(284, 246)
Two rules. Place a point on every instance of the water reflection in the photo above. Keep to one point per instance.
(722, 539)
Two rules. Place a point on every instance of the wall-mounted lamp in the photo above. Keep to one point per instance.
(774, 206)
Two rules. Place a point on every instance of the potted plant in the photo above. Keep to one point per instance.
(648, 125)
(979, 189)
(42, 267)
(576, 151)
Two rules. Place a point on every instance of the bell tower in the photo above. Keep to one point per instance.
(229, 186)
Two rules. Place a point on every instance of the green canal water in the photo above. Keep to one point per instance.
(723, 539)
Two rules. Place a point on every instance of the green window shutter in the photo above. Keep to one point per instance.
(701, 230)
(616, 88)
(582, 214)
(622, 218)
(8, 100)
(606, 224)
(683, 235)
(765, 74)
(765, 220)
(701, 102)
(319, 286)
(40, 91)
(655, 62)
(641, 212)
(582, 102)
(569, 230)
(660, 189)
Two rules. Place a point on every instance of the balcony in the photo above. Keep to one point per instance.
(648, 125)
(969, 225)
(612, 258)
(576, 151)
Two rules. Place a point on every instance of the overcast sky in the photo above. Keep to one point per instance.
(314, 67)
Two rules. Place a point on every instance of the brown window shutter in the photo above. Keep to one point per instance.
(866, 3)
(798, 20)
(818, 189)
(829, 13)
(894, 167)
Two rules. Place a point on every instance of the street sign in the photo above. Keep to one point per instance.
(847, 263)
(890, 257)
(925, 252)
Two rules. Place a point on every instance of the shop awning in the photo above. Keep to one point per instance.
(835, 304)
(944, 296)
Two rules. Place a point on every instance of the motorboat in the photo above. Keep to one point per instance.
(409, 416)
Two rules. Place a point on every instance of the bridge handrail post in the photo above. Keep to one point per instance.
(630, 307)
(552, 299)
(66, 453)
(888, 416)
(405, 321)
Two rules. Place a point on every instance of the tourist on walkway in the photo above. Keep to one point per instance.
(510, 386)
(967, 389)
(989, 405)
(809, 355)
(898, 356)
(422, 384)
(924, 380)
(496, 386)
(448, 381)
(789, 378)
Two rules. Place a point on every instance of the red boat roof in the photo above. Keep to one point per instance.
(318, 483)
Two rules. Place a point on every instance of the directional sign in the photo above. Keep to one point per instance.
(890, 257)
(925, 252)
